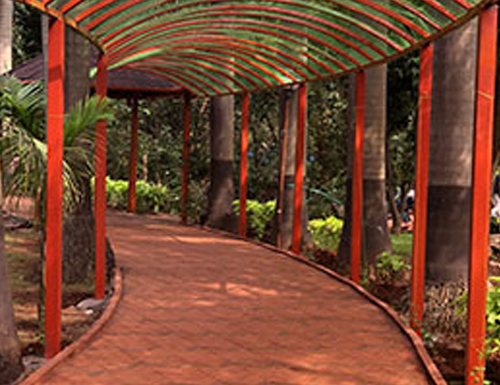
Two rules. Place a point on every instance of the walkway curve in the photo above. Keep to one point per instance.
(201, 308)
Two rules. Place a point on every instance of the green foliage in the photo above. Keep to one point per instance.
(151, 198)
(390, 266)
(326, 233)
(402, 244)
(24, 148)
(259, 217)
(492, 315)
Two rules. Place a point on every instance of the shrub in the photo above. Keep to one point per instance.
(492, 315)
(390, 267)
(150, 198)
(326, 233)
(259, 217)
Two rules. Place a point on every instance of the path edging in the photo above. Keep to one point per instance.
(417, 343)
(84, 340)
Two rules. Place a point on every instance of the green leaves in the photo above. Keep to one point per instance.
(326, 233)
(151, 198)
(24, 148)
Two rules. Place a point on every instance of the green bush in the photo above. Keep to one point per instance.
(492, 315)
(326, 233)
(259, 218)
(150, 198)
(390, 267)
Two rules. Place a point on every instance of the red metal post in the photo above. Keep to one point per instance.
(299, 168)
(185, 158)
(134, 146)
(55, 147)
(100, 185)
(357, 180)
(481, 192)
(244, 164)
(421, 185)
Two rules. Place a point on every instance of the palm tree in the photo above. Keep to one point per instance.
(24, 151)
(221, 195)
(78, 228)
(289, 105)
(450, 172)
(376, 233)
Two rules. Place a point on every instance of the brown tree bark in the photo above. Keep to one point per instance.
(285, 203)
(11, 365)
(221, 193)
(376, 236)
(450, 174)
(78, 228)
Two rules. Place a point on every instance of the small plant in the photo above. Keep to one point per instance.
(259, 216)
(390, 266)
(326, 233)
(492, 315)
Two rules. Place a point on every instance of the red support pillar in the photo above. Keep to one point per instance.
(134, 146)
(481, 192)
(244, 164)
(100, 185)
(357, 180)
(185, 158)
(421, 185)
(299, 168)
(55, 147)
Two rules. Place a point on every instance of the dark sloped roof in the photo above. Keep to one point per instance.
(122, 83)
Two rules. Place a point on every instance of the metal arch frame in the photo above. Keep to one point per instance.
(348, 31)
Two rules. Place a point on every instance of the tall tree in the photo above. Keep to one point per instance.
(450, 173)
(288, 121)
(221, 193)
(376, 237)
(10, 349)
(78, 227)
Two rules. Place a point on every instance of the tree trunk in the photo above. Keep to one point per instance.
(221, 194)
(78, 228)
(6, 14)
(376, 236)
(450, 173)
(10, 349)
(289, 104)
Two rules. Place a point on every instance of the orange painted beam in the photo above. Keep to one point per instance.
(357, 179)
(244, 164)
(55, 148)
(100, 185)
(481, 193)
(134, 147)
(185, 158)
(421, 187)
(299, 169)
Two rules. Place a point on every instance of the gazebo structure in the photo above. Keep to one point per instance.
(221, 47)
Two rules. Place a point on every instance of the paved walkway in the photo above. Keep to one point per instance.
(199, 309)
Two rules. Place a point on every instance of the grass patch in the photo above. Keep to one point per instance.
(402, 245)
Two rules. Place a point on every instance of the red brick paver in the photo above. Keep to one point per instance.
(200, 308)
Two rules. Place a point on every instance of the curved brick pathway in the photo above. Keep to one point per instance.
(199, 308)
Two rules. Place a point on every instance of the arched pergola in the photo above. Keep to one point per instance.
(220, 47)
